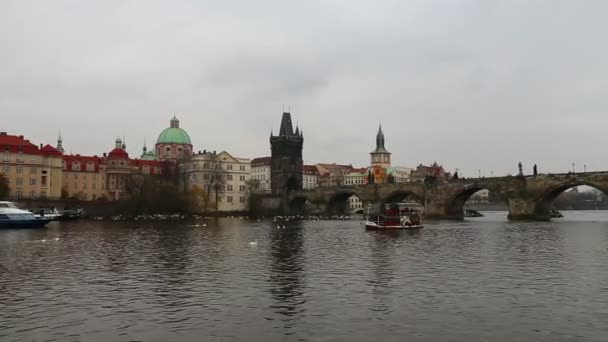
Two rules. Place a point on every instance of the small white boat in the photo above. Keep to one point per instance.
(13, 217)
(396, 216)
(51, 214)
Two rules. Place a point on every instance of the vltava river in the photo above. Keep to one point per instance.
(482, 279)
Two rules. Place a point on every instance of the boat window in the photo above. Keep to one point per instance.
(3, 217)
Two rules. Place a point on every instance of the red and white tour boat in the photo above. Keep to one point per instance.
(406, 215)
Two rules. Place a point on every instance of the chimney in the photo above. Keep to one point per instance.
(21, 137)
(2, 133)
(41, 146)
(104, 154)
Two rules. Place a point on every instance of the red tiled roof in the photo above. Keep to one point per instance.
(14, 143)
(70, 160)
(261, 161)
(118, 153)
(310, 170)
(50, 150)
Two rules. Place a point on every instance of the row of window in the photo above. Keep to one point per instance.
(19, 159)
(93, 186)
(218, 166)
(207, 176)
(229, 199)
(6, 169)
(33, 194)
(33, 181)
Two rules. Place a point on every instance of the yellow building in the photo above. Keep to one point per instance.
(32, 171)
(84, 177)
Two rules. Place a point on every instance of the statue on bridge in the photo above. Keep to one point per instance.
(535, 170)
(521, 169)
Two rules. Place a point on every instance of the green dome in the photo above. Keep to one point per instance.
(174, 134)
(148, 156)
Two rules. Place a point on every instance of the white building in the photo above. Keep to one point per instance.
(260, 173)
(399, 174)
(356, 177)
(221, 180)
(355, 205)
(310, 177)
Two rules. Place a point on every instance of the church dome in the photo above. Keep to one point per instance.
(174, 134)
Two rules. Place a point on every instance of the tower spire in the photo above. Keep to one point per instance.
(60, 143)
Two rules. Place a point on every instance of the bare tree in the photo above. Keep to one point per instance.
(4, 187)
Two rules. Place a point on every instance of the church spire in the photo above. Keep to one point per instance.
(380, 139)
(60, 143)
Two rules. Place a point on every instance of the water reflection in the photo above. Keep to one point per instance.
(287, 269)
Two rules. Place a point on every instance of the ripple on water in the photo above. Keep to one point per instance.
(484, 279)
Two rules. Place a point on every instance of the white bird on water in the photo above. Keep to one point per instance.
(253, 243)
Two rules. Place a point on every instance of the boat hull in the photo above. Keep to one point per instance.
(16, 224)
(374, 226)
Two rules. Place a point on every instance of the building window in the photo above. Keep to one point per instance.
(242, 168)
(32, 181)
(167, 151)
(228, 177)
(19, 169)
(94, 186)
(229, 187)
(219, 199)
(205, 165)
(75, 176)
(206, 176)
(76, 166)
(19, 181)
(90, 167)
(146, 169)
(33, 170)
(229, 199)
(229, 167)
(33, 194)
(218, 166)
(43, 180)
(6, 170)
(241, 188)
(19, 194)
(242, 199)
(42, 194)
(242, 178)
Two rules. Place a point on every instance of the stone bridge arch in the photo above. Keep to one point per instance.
(454, 205)
(337, 202)
(543, 201)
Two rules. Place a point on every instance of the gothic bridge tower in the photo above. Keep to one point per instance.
(286, 148)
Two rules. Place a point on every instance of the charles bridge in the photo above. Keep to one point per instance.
(527, 197)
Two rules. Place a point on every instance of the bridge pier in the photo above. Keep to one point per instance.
(526, 209)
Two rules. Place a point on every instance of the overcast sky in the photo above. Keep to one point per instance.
(469, 84)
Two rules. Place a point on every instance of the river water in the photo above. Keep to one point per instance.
(483, 279)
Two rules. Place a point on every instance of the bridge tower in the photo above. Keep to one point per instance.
(286, 158)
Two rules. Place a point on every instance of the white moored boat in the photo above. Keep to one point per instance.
(13, 217)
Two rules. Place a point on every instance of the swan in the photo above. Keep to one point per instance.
(253, 243)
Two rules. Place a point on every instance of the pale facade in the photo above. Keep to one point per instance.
(399, 174)
(84, 177)
(356, 177)
(222, 177)
(310, 177)
(32, 172)
(260, 173)
(355, 205)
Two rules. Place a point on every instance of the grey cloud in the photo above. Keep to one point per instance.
(471, 84)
